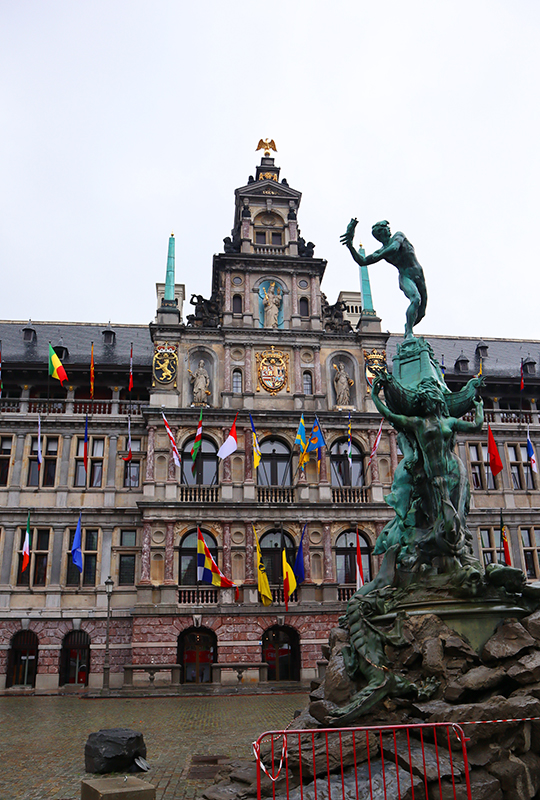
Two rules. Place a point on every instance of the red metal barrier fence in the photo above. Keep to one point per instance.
(389, 762)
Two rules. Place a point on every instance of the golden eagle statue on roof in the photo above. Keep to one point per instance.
(266, 145)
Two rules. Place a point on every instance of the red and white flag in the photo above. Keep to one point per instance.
(174, 448)
(26, 546)
(359, 566)
(375, 444)
(230, 445)
(130, 387)
(129, 455)
(39, 453)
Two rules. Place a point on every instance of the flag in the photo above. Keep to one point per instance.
(443, 368)
(349, 441)
(130, 454)
(262, 578)
(196, 445)
(495, 462)
(176, 454)
(298, 569)
(289, 581)
(26, 546)
(39, 453)
(480, 370)
(256, 448)
(301, 441)
(130, 387)
(316, 439)
(76, 550)
(375, 444)
(359, 565)
(56, 370)
(207, 569)
(92, 371)
(522, 381)
(504, 541)
(85, 449)
(530, 453)
(230, 445)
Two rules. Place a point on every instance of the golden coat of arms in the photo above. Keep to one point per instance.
(374, 362)
(165, 364)
(273, 370)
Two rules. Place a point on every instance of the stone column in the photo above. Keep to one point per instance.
(317, 365)
(315, 304)
(150, 454)
(248, 460)
(323, 477)
(327, 555)
(247, 293)
(374, 460)
(227, 549)
(56, 558)
(307, 559)
(145, 553)
(17, 466)
(171, 475)
(248, 369)
(250, 554)
(227, 368)
(111, 466)
(169, 553)
(393, 450)
(106, 551)
(64, 463)
(9, 540)
(226, 461)
(227, 303)
(294, 296)
(298, 388)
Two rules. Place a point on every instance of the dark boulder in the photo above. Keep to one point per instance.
(113, 750)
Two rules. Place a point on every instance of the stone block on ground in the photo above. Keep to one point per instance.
(509, 639)
(478, 679)
(527, 669)
(127, 788)
(113, 750)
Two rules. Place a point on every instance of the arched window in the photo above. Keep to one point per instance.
(75, 658)
(197, 651)
(275, 467)
(237, 304)
(206, 464)
(340, 466)
(237, 381)
(187, 574)
(346, 557)
(22, 659)
(308, 383)
(303, 307)
(272, 544)
(281, 651)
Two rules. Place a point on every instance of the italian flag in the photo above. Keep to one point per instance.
(196, 445)
(56, 370)
(26, 546)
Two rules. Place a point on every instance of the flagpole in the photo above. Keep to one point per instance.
(501, 536)
(48, 383)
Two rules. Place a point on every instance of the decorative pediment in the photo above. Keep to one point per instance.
(268, 188)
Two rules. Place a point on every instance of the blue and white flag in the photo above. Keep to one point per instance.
(76, 550)
(530, 453)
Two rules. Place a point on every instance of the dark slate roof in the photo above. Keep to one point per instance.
(503, 355)
(77, 338)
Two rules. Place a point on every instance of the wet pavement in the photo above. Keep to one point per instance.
(42, 740)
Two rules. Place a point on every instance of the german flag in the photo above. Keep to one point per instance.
(56, 370)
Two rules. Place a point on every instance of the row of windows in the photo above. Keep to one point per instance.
(518, 463)
(492, 548)
(303, 303)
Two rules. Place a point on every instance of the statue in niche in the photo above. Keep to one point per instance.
(342, 381)
(272, 303)
(201, 381)
(397, 250)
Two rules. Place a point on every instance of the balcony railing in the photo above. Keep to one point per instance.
(198, 494)
(275, 494)
(269, 249)
(345, 593)
(92, 407)
(62, 406)
(278, 596)
(350, 494)
(198, 597)
(46, 406)
(11, 406)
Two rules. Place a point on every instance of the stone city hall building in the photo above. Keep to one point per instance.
(266, 343)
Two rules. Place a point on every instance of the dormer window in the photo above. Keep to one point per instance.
(61, 351)
(482, 349)
(529, 365)
(268, 230)
(109, 335)
(462, 363)
(29, 333)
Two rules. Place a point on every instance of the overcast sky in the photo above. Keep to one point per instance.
(125, 119)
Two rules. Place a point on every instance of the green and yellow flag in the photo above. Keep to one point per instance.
(56, 370)
(262, 577)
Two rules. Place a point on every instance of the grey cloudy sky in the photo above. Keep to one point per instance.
(125, 119)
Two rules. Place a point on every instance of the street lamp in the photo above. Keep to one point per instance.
(109, 583)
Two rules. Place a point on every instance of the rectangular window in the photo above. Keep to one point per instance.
(45, 476)
(5, 456)
(128, 538)
(489, 546)
(276, 238)
(530, 543)
(96, 452)
(35, 573)
(131, 474)
(490, 480)
(126, 569)
(260, 237)
(89, 541)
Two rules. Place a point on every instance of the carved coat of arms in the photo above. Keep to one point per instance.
(165, 364)
(374, 362)
(273, 370)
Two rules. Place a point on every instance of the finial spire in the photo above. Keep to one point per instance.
(266, 145)
(169, 280)
(365, 286)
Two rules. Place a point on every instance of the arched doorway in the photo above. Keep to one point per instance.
(197, 651)
(22, 660)
(75, 658)
(281, 651)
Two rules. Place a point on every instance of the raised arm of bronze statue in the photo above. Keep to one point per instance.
(398, 251)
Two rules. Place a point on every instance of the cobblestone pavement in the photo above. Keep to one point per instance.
(42, 738)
